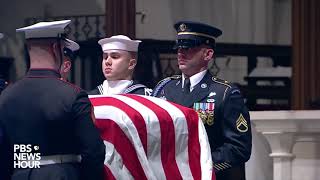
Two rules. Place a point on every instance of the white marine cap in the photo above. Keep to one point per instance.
(1, 35)
(45, 29)
(119, 42)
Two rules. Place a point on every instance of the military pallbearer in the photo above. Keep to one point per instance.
(219, 104)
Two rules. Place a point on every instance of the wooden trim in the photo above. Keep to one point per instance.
(121, 17)
(306, 53)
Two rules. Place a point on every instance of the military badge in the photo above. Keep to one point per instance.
(204, 85)
(202, 115)
(182, 27)
(242, 124)
(212, 94)
(210, 118)
(205, 112)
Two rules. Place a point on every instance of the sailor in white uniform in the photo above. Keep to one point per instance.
(118, 64)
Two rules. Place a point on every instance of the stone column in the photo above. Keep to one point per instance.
(281, 146)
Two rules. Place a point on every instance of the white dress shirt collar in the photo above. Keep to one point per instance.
(195, 79)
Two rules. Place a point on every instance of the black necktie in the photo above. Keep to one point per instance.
(186, 85)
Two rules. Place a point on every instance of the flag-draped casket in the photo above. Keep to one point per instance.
(150, 138)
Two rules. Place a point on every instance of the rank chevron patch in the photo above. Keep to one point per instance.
(242, 124)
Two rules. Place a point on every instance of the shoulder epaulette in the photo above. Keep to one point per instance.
(223, 82)
(133, 87)
(220, 81)
(162, 83)
(175, 77)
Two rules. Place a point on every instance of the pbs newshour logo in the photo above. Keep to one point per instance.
(26, 156)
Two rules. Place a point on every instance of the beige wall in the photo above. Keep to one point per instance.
(245, 21)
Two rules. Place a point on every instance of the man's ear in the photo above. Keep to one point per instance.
(66, 66)
(208, 54)
(132, 63)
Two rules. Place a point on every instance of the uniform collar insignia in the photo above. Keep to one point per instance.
(204, 85)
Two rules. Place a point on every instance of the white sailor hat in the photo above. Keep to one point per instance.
(119, 42)
(52, 29)
(1, 35)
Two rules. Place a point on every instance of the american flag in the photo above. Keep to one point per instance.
(150, 138)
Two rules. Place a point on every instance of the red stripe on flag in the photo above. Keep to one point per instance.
(193, 140)
(167, 138)
(133, 114)
(108, 174)
(111, 132)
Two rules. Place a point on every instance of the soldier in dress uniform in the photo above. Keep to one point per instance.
(44, 111)
(69, 55)
(118, 63)
(219, 104)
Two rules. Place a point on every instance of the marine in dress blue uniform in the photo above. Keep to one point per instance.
(219, 104)
(43, 110)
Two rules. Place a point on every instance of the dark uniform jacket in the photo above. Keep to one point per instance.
(45, 111)
(134, 88)
(221, 108)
